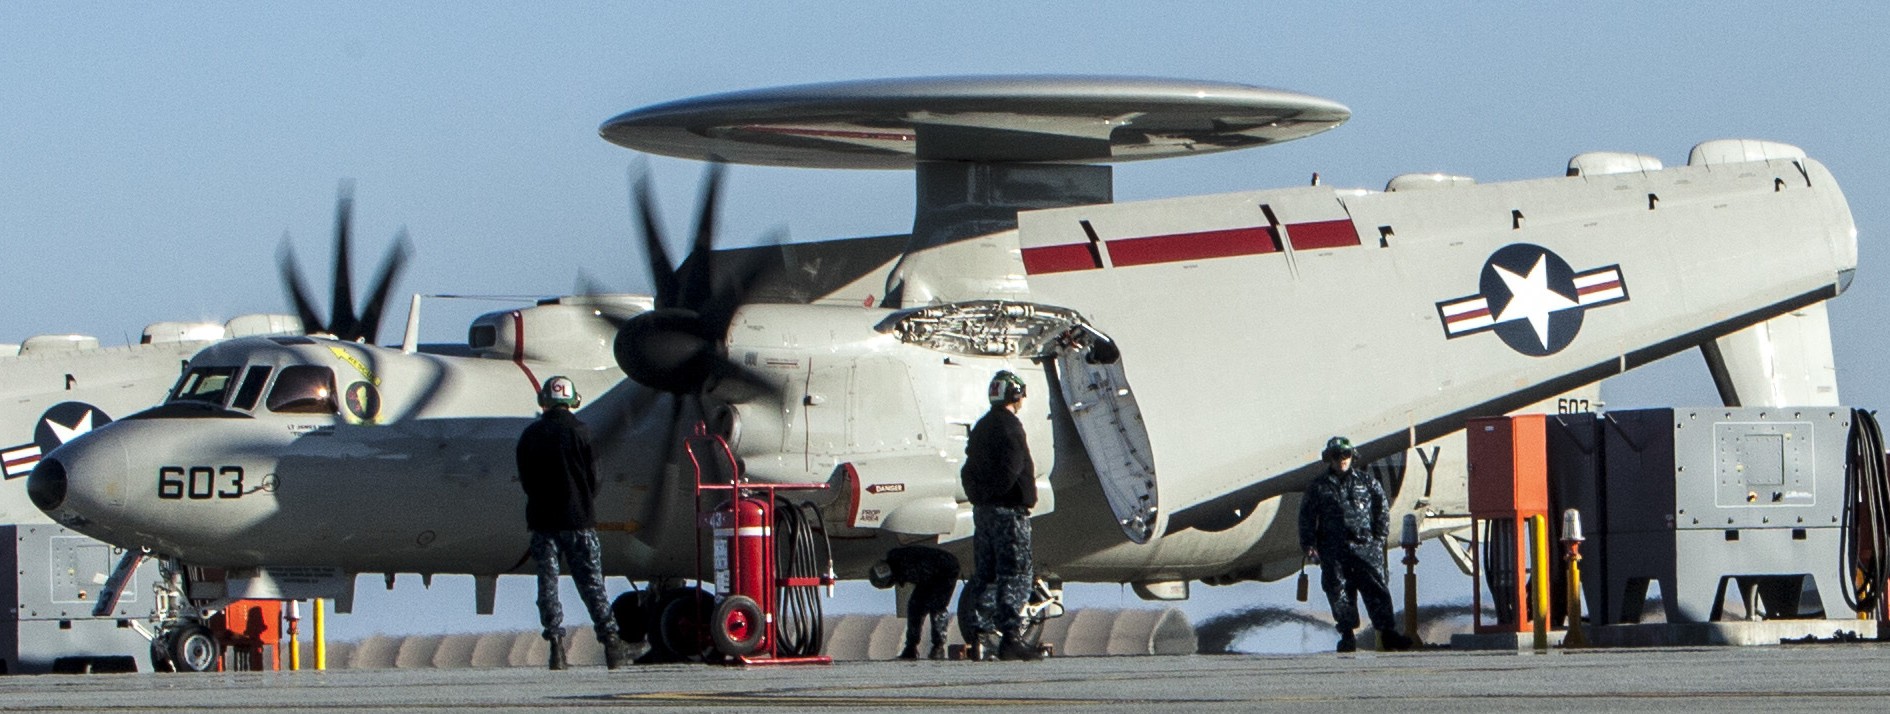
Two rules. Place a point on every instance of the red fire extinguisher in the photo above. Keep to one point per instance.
(744, 566)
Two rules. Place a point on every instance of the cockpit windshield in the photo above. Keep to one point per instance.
(209, 385)
(303, 389)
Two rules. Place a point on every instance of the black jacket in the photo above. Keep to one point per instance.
(558, 473)
(920, 565)
(997, 470)
(1344, 510)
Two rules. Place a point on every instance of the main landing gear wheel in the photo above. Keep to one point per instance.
(682, 625)
(633, 618)
(738, 627)
(192, 649)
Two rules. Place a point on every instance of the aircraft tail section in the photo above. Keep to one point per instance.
(1391, 317)
(1786, 360)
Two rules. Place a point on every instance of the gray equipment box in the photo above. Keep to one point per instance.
(53, 578)
(1697, 499)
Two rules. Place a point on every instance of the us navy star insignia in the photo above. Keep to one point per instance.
(1532, 299)
(64, 422)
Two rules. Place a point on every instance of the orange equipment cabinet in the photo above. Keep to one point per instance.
(247, 627)
(1508, 484)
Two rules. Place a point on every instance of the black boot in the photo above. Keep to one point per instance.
(616, 653)
(1394, 641)
(938, 652)
(910, 652)
(1015, 650)
(1347, 643)
(556, 651)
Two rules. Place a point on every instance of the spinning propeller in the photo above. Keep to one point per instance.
(677, 347)
(344, 324)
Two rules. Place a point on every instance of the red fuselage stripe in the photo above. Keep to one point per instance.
(1058, 259)
(1184, 247)
(1322, 234)
(1193, 246)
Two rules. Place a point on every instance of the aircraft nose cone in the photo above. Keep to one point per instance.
(47, 485)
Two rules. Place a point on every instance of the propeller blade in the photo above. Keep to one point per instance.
(747, 271)
(662, 275)
(738, 384)
(588, 284)
(298, 292)
(369, 326)
(616, 423)
(697, 275)
(341, 312)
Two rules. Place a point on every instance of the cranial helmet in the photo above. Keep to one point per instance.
(880, 575)
(560, 392)
(1338, 447)
(1006, 387)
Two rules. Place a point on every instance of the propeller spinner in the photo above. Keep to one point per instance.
(344, 324)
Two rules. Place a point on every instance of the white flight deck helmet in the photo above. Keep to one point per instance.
(558, 391)
(1006, 387)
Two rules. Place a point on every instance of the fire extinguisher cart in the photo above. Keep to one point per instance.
(740, 518)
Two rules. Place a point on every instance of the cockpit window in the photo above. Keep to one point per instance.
(253, 382)
(210, 385)
(303, 389)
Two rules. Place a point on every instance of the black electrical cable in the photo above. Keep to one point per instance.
(797, 555)
(1864, 542)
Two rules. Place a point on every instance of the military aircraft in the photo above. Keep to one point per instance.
(60, 387)
(1186, 357)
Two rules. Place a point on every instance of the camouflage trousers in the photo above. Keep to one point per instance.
(929, 600)
(583, 557)
(1348, 575)
(1001, 575)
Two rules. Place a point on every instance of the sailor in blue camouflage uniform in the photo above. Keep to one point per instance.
(559, 474)
(1343, 524)
(933, 574)
(1001, 483)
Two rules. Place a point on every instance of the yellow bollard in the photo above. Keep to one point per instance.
(1540, 570)
(321, 637)
(1572, 536)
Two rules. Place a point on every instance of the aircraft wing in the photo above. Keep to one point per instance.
(1252, 326)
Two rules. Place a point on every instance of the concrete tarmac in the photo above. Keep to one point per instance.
(1837, 677)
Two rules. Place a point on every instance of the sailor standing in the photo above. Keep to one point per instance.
(1001, 483)
(1343, 522)
(559, 475)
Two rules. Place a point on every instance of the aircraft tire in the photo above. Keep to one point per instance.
(633, 618)
(738, 626)
(193, 649)
(683, 625)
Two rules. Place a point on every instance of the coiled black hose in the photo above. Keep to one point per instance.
(1864, 546)
(799, 553)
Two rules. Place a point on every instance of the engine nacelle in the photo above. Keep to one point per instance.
(569, 330)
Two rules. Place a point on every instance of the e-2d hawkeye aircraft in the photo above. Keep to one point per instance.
(1185, 356)
(59, 387)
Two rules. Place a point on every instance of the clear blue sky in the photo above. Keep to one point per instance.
(153, 155)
